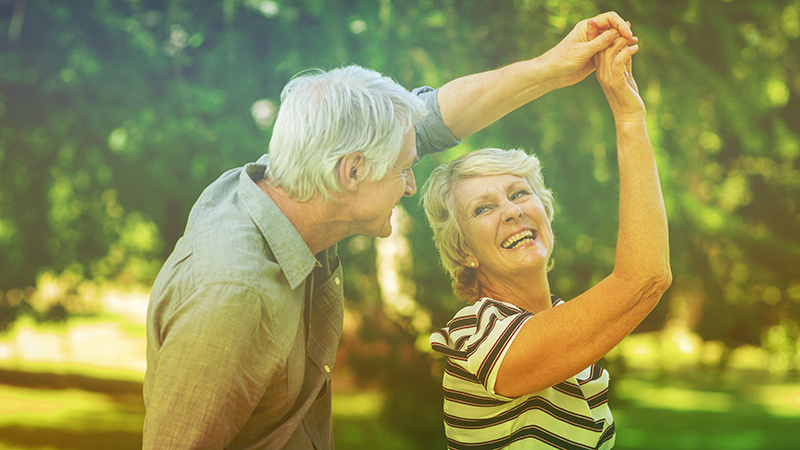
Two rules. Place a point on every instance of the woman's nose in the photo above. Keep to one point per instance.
(511, 211)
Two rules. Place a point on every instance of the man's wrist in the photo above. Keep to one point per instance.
(542, 73)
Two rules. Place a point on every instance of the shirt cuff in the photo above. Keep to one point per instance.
(432, 134)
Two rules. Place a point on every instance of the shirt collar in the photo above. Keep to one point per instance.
(291, 252)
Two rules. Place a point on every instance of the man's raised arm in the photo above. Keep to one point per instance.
(473, 102)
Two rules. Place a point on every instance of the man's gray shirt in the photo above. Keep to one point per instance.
(244, 321)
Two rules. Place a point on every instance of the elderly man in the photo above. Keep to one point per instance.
(246, 314)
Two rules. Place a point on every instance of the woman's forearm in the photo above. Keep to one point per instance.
(642, 242)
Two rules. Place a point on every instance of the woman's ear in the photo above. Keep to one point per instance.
(469, 261)
(352, 168)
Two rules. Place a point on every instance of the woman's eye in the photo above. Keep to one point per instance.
(480, 210)
(519, 194)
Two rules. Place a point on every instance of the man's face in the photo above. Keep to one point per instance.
(377, 198)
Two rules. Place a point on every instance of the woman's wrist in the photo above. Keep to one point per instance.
(634, 118)
(630, 127)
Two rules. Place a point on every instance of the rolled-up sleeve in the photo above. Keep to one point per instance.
(214, 364)
(432, 134)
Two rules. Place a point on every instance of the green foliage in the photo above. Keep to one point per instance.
(115, 115)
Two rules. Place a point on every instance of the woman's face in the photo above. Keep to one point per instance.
(505, 225)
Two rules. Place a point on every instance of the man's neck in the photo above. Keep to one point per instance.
(319, 223)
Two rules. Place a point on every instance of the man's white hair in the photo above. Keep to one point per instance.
(327, 115)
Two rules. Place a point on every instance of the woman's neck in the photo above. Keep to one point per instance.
(530, 291)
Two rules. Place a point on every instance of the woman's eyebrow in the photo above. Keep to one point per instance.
(478, 200)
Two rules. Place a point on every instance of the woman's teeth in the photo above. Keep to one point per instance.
(517, 239)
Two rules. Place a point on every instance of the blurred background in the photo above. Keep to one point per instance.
(115, 115)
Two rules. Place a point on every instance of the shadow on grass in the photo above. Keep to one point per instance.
(743, 425)
(84, 430)
(35, 437)
(41, 380)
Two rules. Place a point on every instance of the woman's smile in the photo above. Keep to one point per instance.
(520, 239)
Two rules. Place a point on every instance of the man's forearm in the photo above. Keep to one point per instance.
(471, 103)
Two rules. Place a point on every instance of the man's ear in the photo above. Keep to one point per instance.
(351, 170)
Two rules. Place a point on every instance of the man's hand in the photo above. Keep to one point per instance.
(572, 59)
(472, 102)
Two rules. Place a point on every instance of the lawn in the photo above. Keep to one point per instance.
(78, 408)
(680, 405)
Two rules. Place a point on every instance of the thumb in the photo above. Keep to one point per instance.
(592, 30)
(603, 41)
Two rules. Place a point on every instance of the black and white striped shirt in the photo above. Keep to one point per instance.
(573, 414)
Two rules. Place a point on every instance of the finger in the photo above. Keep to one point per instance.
(619, 44)
(629, 63)
(603, 41)
(632, 83)
(613, 20)
(592, 30)
(608, 58)
(624, 59)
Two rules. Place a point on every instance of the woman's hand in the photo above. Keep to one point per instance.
(614, 72)
(573, 58)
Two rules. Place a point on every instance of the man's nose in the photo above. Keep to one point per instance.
(411, 184)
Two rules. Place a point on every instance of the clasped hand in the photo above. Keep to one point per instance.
(615, 75)
(573, 58)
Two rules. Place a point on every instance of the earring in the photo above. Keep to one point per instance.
(472, 264)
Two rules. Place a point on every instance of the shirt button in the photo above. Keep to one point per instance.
(337, 281)
(327, 367)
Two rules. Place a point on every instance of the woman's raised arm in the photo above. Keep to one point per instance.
(558, 343)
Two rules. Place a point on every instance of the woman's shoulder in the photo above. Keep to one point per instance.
(484, 311)
(481, 324)
(484, 306)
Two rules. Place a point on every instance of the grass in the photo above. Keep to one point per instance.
(90, 409)
(662, 401)
(66, 408)
(706, 410)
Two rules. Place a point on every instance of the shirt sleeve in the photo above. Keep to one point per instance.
(215, 362)
(479, 350)
(432, 134)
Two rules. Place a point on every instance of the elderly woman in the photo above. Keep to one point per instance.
(521, 367)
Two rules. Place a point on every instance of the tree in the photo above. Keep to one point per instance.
(115, 115)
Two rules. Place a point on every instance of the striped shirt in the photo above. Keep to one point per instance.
(573, 414)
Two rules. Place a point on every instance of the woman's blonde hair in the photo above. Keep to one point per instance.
(439, 204)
